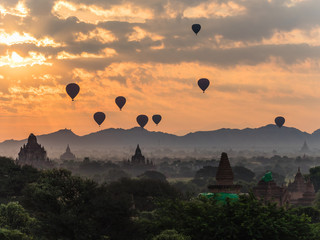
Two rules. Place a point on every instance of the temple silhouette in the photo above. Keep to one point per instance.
(68, 155)
(302, 192)
(305, 148)
(224, 178)
(138, 159)
(299, 192)
(33, 154)
(268, 191)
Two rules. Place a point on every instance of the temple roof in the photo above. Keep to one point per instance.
(305, 147)
(298, 177)
(32, 139)
(68, 155)
(138, 151)
(224, 174)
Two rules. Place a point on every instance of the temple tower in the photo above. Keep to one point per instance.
(68, 155)
(138, 158)
(32, 152)
(224, 178)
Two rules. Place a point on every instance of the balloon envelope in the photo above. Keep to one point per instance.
(156, 118)
(203, 83)
(99, 117)
(279, 121)
(196, 28)
(120, 101)
(72, 90)
(142, 120)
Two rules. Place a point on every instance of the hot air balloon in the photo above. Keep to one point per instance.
(72, 90)
(142, 120)
(156, 118)
(203, 84)
(196, 28)
(120, 101)
(279, 121)
(99, 117)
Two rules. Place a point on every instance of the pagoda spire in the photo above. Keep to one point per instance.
(224, 174)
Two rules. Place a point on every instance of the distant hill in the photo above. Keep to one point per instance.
(265, 138)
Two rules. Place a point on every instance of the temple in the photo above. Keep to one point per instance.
(138, 159)
(301, 191)
(224, 178)
(305, 148)
(268, 191)
(32, 153)
(68, 155)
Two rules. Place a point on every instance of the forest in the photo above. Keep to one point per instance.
(56, 204)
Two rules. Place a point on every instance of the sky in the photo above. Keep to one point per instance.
(261, 57)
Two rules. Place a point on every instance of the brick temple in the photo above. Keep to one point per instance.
(224, 178)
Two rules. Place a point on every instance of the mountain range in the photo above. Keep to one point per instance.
(266, 138)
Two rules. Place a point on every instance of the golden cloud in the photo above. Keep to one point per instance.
(105, 53)
(214, 9)
(19, 10)
(18, 38)
(14, 60)
(94, 14)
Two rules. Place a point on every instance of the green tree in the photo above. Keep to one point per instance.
(244, 219)
(70, 207)
(15, 222)
(154, 175)
(170, 235)
(143, 192)
(243, 174)
(13, 178)
(315, 177)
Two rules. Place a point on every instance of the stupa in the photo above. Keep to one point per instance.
(224, 178)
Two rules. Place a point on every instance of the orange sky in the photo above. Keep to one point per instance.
(262, 58)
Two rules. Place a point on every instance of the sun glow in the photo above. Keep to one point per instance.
(17, 38)
(15, 60)
(19, 10)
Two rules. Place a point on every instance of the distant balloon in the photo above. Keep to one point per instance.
(142, 120)
(279, 121)
(99, 117)
(72, 90)
(196, 28)
(203, 84)
(156, 118)
(120, 101)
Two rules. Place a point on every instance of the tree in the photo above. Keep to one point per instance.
(143, 192)
(245, 219)
(70, 207)
(243, 174)
(154, 175)
(315, 177)
(206, 172)
(170, 235)
(13, 178)
(116, 174)
(16, 223)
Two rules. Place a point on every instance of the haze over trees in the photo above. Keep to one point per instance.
(54, 204)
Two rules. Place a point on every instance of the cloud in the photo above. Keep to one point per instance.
(262, 58)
